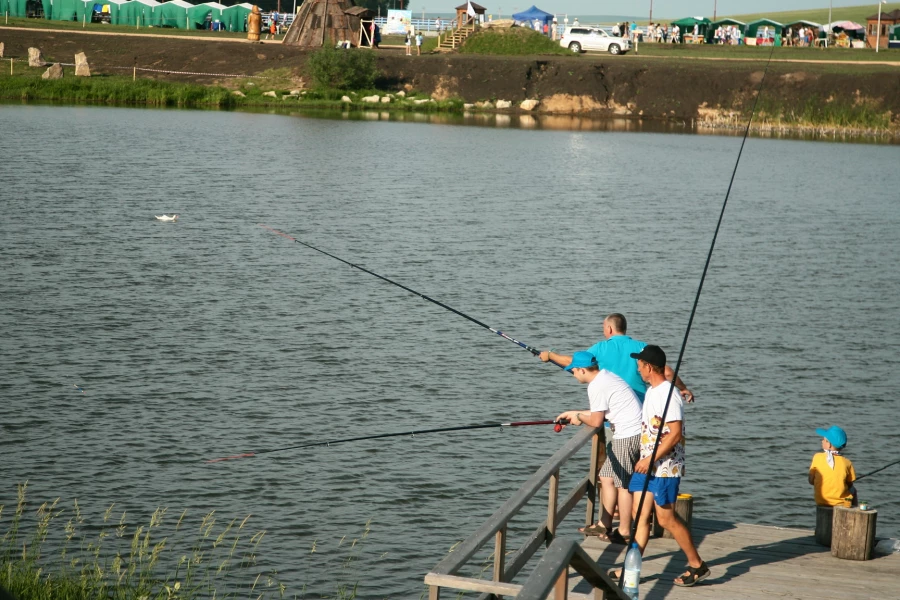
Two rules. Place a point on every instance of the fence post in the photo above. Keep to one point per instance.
(499, 553)
(598, 452)
(552, 502)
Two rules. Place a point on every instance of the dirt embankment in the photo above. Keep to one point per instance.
(716, 92)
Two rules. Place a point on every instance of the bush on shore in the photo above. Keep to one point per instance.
(340, 69)
(511, 41)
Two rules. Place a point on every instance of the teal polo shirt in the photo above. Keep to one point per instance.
(614, 355)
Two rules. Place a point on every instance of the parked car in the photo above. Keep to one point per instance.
(578, 39)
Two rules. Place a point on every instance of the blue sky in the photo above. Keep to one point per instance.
(663, 8)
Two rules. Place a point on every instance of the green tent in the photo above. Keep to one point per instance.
(711, 30)
(756, 28)
(686, 26)
(65, 10)
(16, 8)
(172, 14)
(136, 12)
(198, 14)
(235, 17)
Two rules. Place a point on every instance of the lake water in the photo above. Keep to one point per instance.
(211, 336)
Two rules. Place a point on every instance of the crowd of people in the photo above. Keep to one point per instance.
(632, 390)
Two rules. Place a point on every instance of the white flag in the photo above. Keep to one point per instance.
(469, 10)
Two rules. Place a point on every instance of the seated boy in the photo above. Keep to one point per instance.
(832, 474)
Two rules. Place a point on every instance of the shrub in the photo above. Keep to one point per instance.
(342, 69)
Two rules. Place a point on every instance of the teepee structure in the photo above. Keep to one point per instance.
(320, 22)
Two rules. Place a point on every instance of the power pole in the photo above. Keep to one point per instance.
(651, 11)
(715, 8)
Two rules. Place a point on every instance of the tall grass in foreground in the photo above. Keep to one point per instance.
(59, 555)
(516, 41)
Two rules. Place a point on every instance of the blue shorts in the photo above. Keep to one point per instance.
(664, 489)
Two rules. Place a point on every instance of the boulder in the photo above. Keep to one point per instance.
(385, 99)
(346, 99)
(1, 49)
(501, 104)
(422, 101)
(82, 68)
(402, 94)
(35, 58)
(488, 105)
(371, 99)
(271, 94)
(529, 104)
(295, 92)
(54, 72)
(239, 94)
(468, 106)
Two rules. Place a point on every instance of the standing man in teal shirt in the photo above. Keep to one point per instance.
(614, 355)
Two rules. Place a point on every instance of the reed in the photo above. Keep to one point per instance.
(58, 555)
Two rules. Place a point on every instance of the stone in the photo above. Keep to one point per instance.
(372, 99)
(346, 99)
(54, 72)
(422, 101)
(501, 104)
(1, 49)
(35, 58)
(468, 106)
(385, 99)
(82, 68)
(529, 104)
(271, 94)
(402, 94)
(239, 94)
(250, 84)
(295, 92)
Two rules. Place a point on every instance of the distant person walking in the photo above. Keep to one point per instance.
(419, 44)
(408, 43)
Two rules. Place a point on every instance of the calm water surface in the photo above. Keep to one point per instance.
(212, 336)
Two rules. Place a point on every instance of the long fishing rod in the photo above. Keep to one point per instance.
(687, 331)
(534, 351)
(896, 462)
(557, 426)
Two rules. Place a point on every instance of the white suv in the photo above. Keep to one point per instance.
(578, 39)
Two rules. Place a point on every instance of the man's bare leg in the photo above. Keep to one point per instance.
(671, 522)
(608, 497)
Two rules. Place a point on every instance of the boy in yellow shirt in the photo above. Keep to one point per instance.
(832, 474)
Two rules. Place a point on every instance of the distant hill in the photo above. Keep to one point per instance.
(857, 14)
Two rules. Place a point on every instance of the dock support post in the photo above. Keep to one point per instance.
(853, 533)
(598, 455)
(500, 554)
(824, 517)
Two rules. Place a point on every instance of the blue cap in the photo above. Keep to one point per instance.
(836, 436)
(582, 360)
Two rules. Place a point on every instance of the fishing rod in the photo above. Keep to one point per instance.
(877, 470)
(534, 351)
(687, 332)
(557, 427)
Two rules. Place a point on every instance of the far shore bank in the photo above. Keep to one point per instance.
(818, 98)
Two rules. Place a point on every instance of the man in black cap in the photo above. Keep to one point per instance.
(665, 474)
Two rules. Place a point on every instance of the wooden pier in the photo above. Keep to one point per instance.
(751, 562)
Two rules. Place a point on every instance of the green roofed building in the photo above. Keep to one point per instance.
(16, 8)
(711, 30)
(686, 26)
(137, 12)
(235, 17)
(756, 30)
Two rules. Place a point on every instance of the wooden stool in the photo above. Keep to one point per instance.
(853, 533)
(684, 508)
(824, 516)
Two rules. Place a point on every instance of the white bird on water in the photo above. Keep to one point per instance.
(167, 218)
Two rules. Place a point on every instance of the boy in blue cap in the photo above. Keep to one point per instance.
(831, 474)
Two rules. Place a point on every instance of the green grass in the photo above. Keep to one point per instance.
(820, 112)
(762, 53)
(77, 26)
(856, 14)
(513, 41)
(60, 555)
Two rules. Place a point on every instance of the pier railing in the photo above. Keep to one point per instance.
(446, 573)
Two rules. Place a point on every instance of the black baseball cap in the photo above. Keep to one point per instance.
(653, 355)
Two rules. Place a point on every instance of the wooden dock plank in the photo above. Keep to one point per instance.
(753, 562)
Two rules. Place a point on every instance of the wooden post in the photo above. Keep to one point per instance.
(684, 508)
(10, 66)
(824, 517)
(598, 455)
(434, 592)
(552, 502)
(500, 553)
(853, 533)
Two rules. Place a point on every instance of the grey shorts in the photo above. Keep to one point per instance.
(621, 456)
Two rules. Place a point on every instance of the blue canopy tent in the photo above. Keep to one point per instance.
(528, 16)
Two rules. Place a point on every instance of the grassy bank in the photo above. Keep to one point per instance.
(55, 552)
(76, 26)
(721, 52)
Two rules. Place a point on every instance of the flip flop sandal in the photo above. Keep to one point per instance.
(612, 574)
(694, 575)
(616, 537)
(598, 530)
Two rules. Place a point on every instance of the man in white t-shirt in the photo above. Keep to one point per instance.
(612, 399)
(665, 474)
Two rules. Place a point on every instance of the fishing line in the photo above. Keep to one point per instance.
(877, 470)
(534, 351)
(557, 426)
(687, 332)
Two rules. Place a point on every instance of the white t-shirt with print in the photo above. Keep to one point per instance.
(672, 464)
(612, 394)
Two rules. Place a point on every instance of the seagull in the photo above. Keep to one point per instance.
(167, 218)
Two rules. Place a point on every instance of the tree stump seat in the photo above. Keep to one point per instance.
(853, 533)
